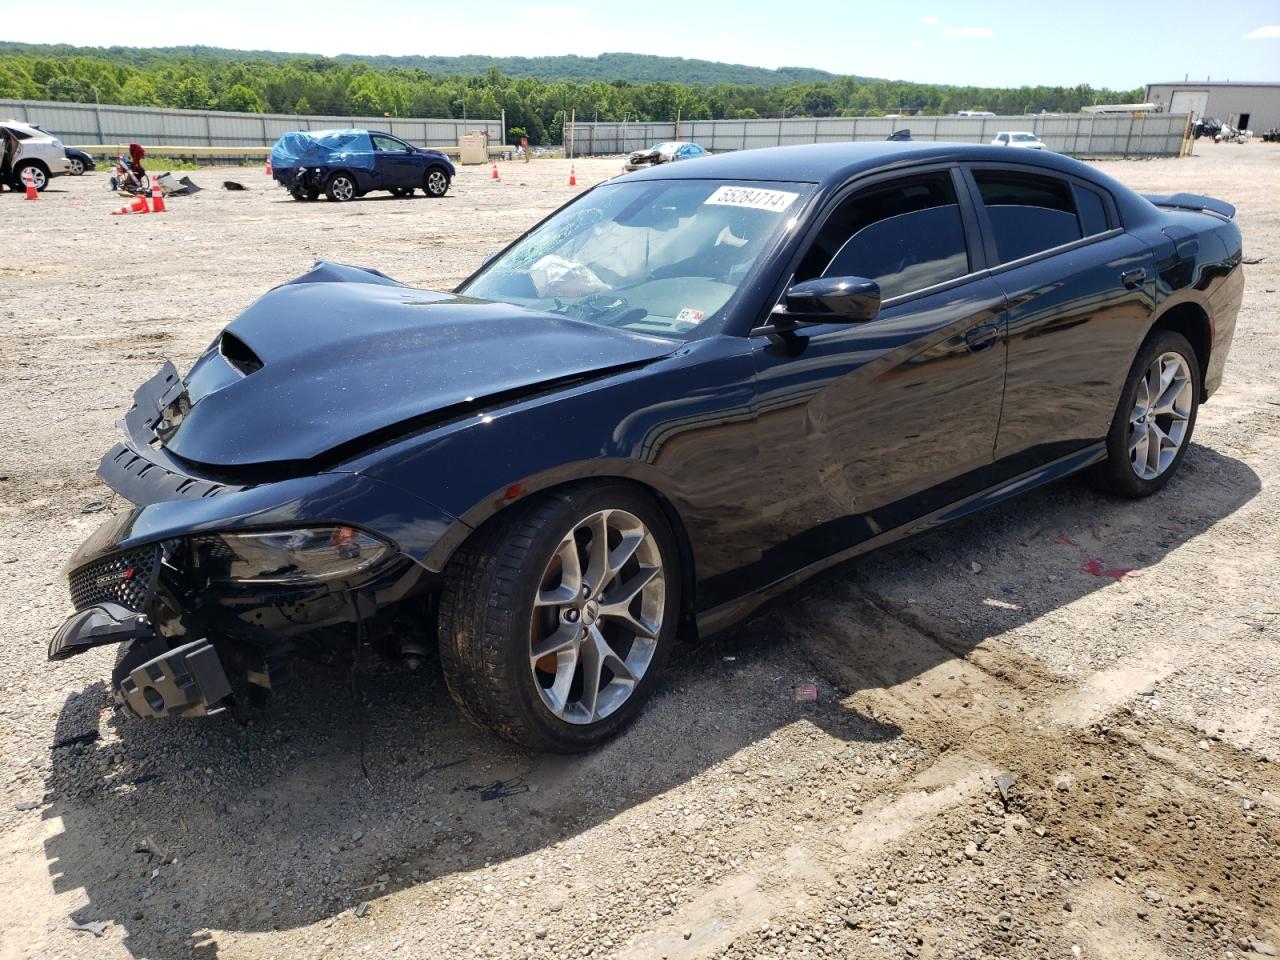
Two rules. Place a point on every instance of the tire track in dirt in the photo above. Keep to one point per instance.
(1120, 828)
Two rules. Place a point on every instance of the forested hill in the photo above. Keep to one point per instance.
(617, 88)
(632, 67)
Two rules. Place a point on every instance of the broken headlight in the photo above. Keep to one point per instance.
(290, 557)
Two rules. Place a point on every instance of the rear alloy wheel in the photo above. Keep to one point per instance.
(556, 621)
(340, 188)
(1155, 418)
(436, 183)
(33, 172)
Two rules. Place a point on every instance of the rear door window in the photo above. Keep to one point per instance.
(904, 234)
(1093, 211)
(1028, 213)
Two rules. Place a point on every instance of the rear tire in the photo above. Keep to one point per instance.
(498, 607)
(39, 176)
(1154, 421)
(340, 188)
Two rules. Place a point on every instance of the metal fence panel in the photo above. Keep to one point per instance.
(88, 123)
(1155, 135)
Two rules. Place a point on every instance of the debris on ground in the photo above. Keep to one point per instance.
(96, 927)
(806, 692)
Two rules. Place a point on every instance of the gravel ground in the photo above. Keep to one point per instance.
(1133, 701)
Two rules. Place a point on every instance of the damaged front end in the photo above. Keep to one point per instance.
(277, 488)
(210, 588)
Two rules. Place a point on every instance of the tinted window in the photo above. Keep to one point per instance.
(1093, 212)
(388, 144)
(1027, 213)
(905, 235)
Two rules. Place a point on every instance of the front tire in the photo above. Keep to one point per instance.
(557, 617)
(76, 167)
(435, 183)
(1155, 418)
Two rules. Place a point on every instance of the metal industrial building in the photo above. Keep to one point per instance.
(1251, 106)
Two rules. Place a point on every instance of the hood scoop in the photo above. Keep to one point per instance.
(239, 354)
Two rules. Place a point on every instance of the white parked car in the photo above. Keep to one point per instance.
(1018, 138)
(27, 151)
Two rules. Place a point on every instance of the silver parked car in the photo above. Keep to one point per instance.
(1018, 138)
(27, 151)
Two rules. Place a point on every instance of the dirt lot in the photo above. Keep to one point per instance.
(1120, 660)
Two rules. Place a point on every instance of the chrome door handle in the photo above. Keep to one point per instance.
(982, 337)
(1134, 278)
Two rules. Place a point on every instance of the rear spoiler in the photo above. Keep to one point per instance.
(1193, 201)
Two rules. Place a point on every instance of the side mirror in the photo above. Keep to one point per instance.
(832, 300)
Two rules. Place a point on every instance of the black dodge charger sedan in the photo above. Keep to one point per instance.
(681, 393)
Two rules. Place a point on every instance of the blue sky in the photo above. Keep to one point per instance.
(995, 43)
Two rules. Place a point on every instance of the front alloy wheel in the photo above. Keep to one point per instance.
(557, 616)
(77, 167)
(597, 616)
(436, 183)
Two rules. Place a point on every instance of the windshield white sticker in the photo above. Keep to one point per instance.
(775, 201)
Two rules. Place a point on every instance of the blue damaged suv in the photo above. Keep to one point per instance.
(345, 164)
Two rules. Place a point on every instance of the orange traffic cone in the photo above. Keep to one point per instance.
(157, 199)
(495, 173)
(32, 192)
(139, 205)
(573, 177)
(267, 171)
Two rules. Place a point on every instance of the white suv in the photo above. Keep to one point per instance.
(27, 151)
(1018, 138)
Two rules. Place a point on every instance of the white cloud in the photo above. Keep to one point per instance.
(915, 44)
(553, 13)
(929, 21)
(967, 33)
(1264, 33)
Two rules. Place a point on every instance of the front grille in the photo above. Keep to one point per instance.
(123, 578)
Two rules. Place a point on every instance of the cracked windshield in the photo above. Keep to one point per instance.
(659, 257)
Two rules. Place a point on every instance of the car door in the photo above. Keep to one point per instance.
(866, 427)
(395, 162)
(1081, 296)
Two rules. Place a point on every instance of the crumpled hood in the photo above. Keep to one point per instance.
(342, 353)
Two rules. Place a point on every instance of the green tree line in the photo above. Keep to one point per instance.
(206, 79)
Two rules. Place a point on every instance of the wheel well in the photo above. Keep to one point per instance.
(1192, 322)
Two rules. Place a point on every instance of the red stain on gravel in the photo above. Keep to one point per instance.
(1099, 569)
(1063, 539)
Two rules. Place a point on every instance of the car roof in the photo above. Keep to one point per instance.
(830, 164)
